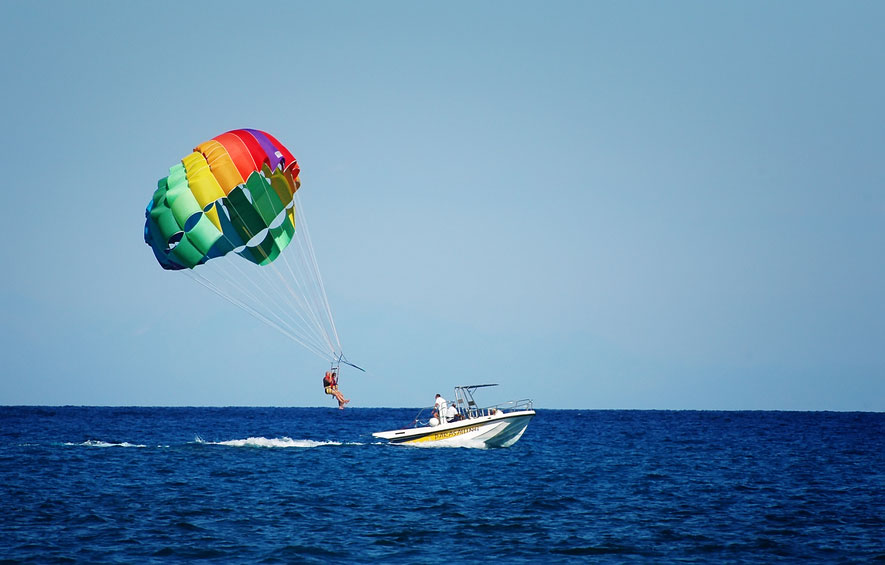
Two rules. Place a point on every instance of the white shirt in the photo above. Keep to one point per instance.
(452, 412)
(440, 405)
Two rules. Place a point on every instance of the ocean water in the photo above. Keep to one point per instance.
(310, 485)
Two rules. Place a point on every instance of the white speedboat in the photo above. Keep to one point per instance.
(500, 425)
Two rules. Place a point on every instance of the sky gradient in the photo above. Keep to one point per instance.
(595, 204)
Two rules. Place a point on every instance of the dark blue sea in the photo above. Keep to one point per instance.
(310, 485)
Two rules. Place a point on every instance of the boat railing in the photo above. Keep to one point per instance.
(469, 410)
(509, 406)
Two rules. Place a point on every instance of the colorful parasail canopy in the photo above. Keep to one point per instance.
(233, 193)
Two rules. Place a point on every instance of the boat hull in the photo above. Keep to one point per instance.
(498, 430)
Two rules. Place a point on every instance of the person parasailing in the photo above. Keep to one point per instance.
(226, 216)
(330, 385)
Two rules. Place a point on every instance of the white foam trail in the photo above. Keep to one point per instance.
(266, 442)
(99, 443)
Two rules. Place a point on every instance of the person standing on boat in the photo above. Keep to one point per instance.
(330, 384)
(439, 408)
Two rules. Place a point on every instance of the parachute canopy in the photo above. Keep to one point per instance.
(233, 193)
(236, 196)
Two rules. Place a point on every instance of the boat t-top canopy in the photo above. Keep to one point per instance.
(464, 399)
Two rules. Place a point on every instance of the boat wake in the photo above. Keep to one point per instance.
(99, 443)
(282, 442)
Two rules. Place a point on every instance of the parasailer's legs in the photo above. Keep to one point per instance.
(341, 400)
(333, 390)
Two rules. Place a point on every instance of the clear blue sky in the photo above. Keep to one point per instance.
(674, 205)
